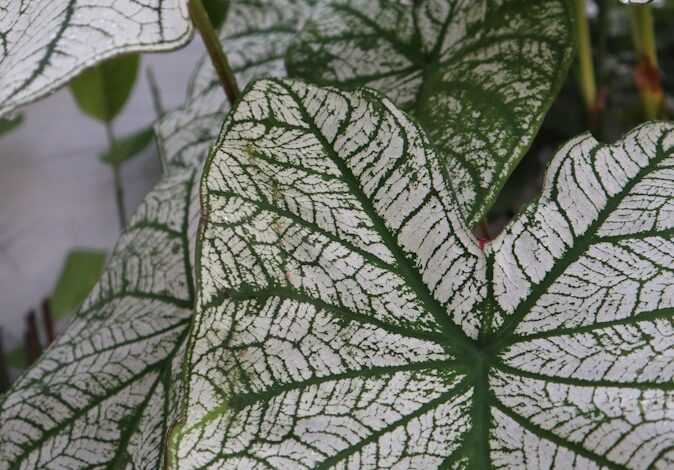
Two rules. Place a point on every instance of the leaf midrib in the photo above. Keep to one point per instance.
(550, 436)
(241, 400)
(408, 272)
(46, 435)
(580, 245)
(456, 391)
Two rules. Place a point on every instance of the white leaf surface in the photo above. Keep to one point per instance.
(479, 75)
(348, 319)
(45, 43)
(255, 36)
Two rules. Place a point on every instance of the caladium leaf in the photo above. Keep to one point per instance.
(347, 317)
(263, 30)
(47, 42)
(478, 75)
(122, 416)
(104, 394)
(255, 37)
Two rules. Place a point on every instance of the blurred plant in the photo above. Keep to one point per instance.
(8, 125)
(81, 271)
(101, 92)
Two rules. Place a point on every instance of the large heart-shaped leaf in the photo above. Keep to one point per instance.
(103, 395)
(45, 43)
(347, 318)
(479, 75)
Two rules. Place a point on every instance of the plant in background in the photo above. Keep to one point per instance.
(8, 125)
(101, 93)
(343, 312)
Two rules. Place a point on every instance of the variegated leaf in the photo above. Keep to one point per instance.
(126, 348)
(347, 317)
(255, 36)
(45, 43)
(479, 75)
(103, 395)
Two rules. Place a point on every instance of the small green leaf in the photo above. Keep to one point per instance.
(478, 75)
(8, 125)
(45, 43)
(102, 90)
(128, 147)
(80, 273)
(347, 318)
(16, 358)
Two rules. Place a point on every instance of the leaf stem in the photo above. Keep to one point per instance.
(587, 82)
(4, 368)
(117, 178)
(483, 235)
(602, 40)
(155, 93)
(647, 73)
(203, 24)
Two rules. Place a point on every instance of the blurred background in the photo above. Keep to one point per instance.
(58, 212)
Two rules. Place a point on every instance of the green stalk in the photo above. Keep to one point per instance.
(647, 72)
(587, 82)
(117, 178)
(602, 41)
(156, 95)
(203, 24)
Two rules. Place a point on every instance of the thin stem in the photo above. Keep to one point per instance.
(483, 235)
(48, 321)
(117, 178)
(32, 345)
(156, 95)
(203, 24)
(588, 85)
(600, 59)
(647, 73)
(602, 46)
(4, 368)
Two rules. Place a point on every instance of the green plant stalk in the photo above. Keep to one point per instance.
(156, 95)
(602, 41)
(117, 178)
(647, 72)
(203, 24)
(587, 82)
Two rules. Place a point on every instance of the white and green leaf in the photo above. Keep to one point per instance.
(478, 75)
(255, 36)
(104, 395)
(347, 317)
(45, 43)
(125, 349)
